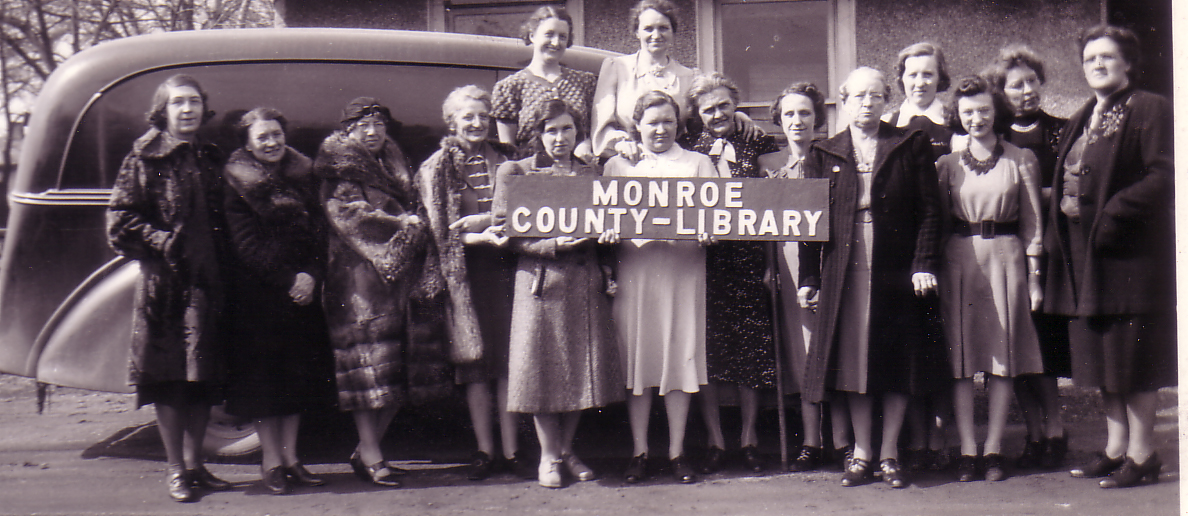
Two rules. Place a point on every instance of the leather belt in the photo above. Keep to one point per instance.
(985, 228)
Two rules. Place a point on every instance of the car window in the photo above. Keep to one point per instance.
(310, 94)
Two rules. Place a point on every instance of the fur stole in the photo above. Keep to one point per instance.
(340, 157)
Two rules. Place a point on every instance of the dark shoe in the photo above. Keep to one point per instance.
(381, 474)
(916, 460)
(299, 475)
(939, 460)
(752, 459)
(200, 477)
(1100, 466)
(358, 467)
(637, 469)
(578, 469)
(1132, 474)
(857, 473)
(713, 461)
(844, 456)
(1055, 451)
(276, 480)
(995, 470)
(808, 460)
(178, 482)
(480, 466)
(967, 468)
(521, 467)
(682, 471)
(892, 474)
(1033, 454)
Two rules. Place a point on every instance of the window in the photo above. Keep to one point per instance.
(496, 17)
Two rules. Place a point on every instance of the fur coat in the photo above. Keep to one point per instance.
(165, 212)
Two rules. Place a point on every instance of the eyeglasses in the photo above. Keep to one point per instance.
(874, 96)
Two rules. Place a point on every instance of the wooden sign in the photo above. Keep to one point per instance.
(668, 208)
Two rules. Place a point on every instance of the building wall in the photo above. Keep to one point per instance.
(971, 33)
(608, 26)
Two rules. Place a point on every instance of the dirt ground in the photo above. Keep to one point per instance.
(95, 453)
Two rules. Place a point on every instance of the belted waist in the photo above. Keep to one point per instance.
(985, 228)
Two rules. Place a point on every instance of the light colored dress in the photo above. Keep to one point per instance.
(984, 295)
(620, 84)
(795, 322)
(660, 305)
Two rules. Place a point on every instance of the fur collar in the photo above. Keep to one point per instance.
(342, 158)
(276, 193)
(157, 144)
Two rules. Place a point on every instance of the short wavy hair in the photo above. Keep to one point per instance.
(542, 14)
(973, 85)
(453, 101)
(649, 100)
(549, 110)
(1010, 57)
(705, 83)
(806, 89)
(1126, 40)
(156, 115)
(923, 48)
(260, 114)
(664, 7)
(844, 89)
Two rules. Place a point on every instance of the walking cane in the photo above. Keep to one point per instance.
(773, 267)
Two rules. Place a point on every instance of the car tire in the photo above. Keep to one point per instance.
(229, 436)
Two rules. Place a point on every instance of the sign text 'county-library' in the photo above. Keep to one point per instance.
(668, 208)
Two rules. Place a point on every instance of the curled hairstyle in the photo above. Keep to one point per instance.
(844, 90)
(548, 110)
(1010, 57)
(1127, 41)
(649, 100)
(664, 7)
(156, 115)
(542, 14)
(363, 107)
(453, 102)
(923, 48)
(973, 85)
(808, 90)
(705, 83)
(260, 114)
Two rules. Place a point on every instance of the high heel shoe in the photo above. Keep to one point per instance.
(857, 473)
(637, 469)
(1132, 474)
(178, 483)
(682, 471)
(892, 474)
(381, 475)
(577, 468)
(276, 480)
(549, 473)
(713, 461)
(752, 459)
(844, 456)
(808, 460)
(201, 477)
(967, 468)
(480, 466)
(301, 476)
(995, 467)
(1100, 466)
(358, 467)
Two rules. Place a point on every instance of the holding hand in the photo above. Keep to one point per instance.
(924, 282)
(609, 237)
(629, 150)
(302, 290)
(492, 235)
(706, 239)
(568, 243)
(472, 223)
(807, 297)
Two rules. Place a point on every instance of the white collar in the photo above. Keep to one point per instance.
(934, 112)
(672, 154)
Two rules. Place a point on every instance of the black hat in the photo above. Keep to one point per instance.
(364, 106)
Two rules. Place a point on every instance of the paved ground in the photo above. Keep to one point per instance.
(94, 453)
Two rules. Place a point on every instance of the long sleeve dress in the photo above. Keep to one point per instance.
(984, 295)
(660, 306)
(620, 84)
(564, 355)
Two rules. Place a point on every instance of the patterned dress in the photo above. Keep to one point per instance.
(517, 96)
(738, 337)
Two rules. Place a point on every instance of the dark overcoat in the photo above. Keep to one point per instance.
(906, 212)
(165, 212)
(1126, 201)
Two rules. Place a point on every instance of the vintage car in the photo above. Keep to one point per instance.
(65, 297)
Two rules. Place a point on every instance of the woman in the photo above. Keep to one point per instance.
(800, 112)
(738, 336)
(990, 191)
(170, 181)
(660, 305)
(1111, 252)
(623, 79)
(456, 185)
(920, 73)
(280, 364)
(549, 31)
(1019, 73)
(872, 270)
(563, 357)
(377, 246)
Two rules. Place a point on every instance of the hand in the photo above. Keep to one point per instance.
(568, 243)
(924, 282)
(412, 219)
(302, 289)
(584, 151)
(1037, 292)
(629, 150)
(807, 297)
(492, 236)
(706, 239)
(747, 127)
(472, 223)
(609, 237)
